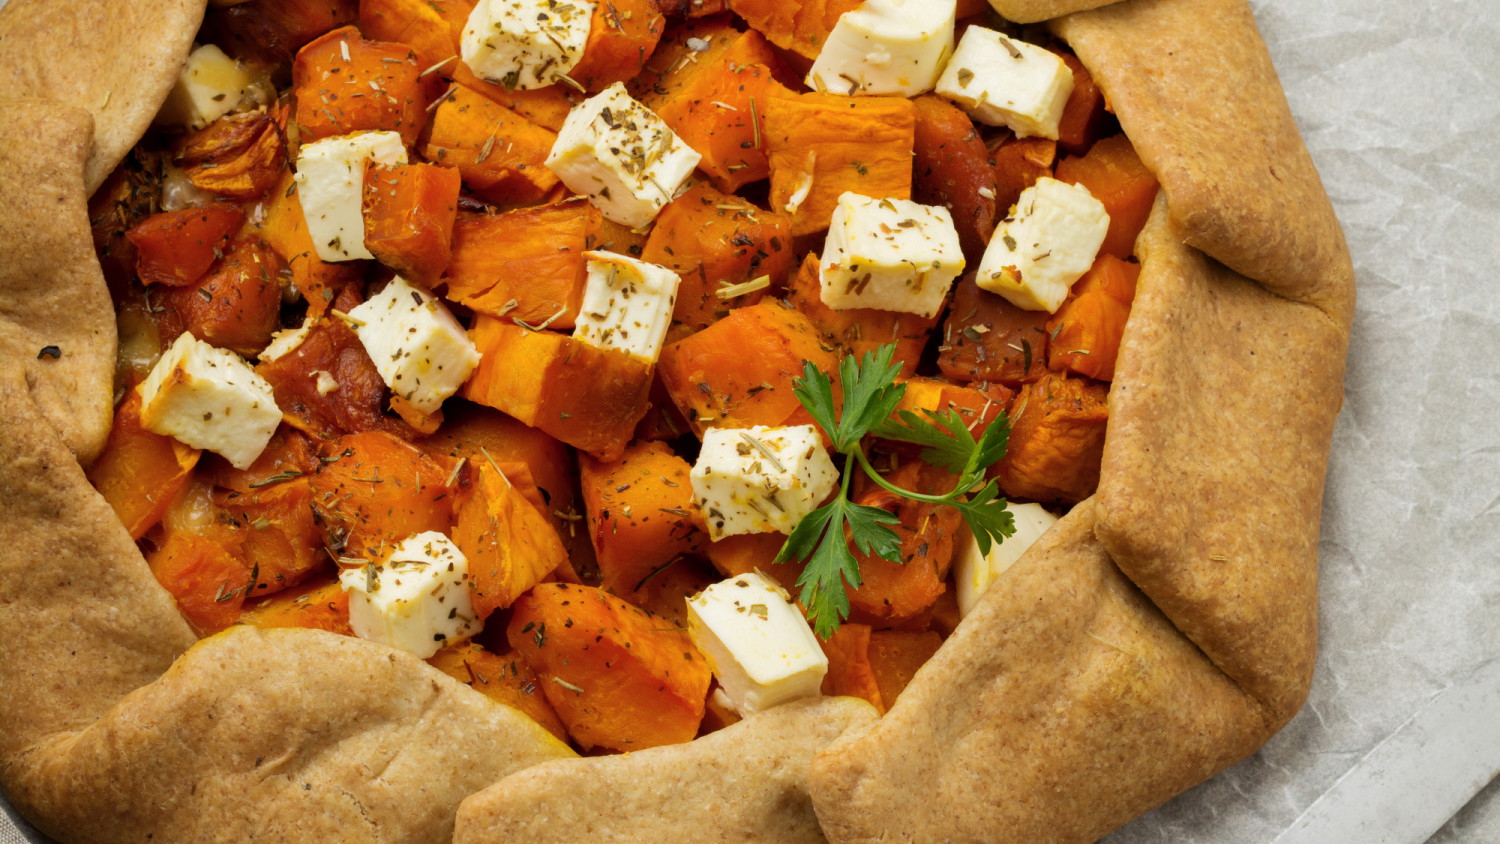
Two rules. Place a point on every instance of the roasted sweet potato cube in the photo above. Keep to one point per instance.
(897, 592)
(895, 656)
(429, 27)
(797, 25)
(1087, 329)
(1056, 440)
(285, 229)
(858, 331)
(715, 242)
(375, 490)
(951, 167)
(237, 306)
(715, 100)
(849, 671)
(546, 107)
(821, 145)
(750, 552)
(345, 84)
(619, 677)
(239, 155)
(278, 536)
(666, 589)
(409, 212)
(640, 513)
(525, 264)
(500, 153)
(502, 677)
(176, 248)
(1114, 174)
(139, 472)
(207, 580)
(986, 338)
(1019, 162)
(321, 605)
(622, 36)
(738, 372)
(585, 396)
(1085, 116)
(509, 544)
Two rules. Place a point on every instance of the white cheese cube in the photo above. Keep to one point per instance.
(886, 47)
(419, 349)
(209, 398)
(760, 479)
(331, 187)
(210, 86)
(416, 599)
(287, 340)
(890, 254)
(620, 155)
(1048, 242)
(1004, 82)
(525, 44)
(627, 305)
(973, 572)
(757, 643)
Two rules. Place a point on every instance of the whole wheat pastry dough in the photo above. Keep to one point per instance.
(1161, 632)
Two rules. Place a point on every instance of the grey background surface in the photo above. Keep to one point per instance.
(1399, 101)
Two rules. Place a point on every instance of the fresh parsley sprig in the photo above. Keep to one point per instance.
(870, 396)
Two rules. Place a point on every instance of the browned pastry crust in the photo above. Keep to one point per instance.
(1163, 631)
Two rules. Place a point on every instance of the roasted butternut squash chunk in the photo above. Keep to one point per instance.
(500, 153)
(409, 212)
(986, 338)
(375, 490)
(502, 677)
(345, 84)
(1087, 329)
(509, 544)
(858, 331)
(525, 264)
(139, 472)
(640, 513)
(1056, 440)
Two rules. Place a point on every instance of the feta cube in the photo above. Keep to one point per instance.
(1048, 242)
(286, 340)
(886, 47)
(890, 254)
(973, 572)
(627, 305)
(331, 187)
(757, 643)
(419, 349)
(1004, 82)
(209, 398)
(210, 86)
(525, 44)
(620, 155)
(416, 599)
(760, 479)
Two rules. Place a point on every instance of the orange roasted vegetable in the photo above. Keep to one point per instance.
(715, 241)
(738, 372)
(895, 656)
(1086, 330)
(849, 672)
(429, 27)
(237, 306)
(316, 606)
(1019, 162)
(290, 452)
(239, 155)
(1114, 174)
(546, 107)
(207, 580)
(619, 677)
(986, 338)
(274, 30)
(952, 168)
(509, 544)
(797, 25)
(525, 264)
(750, 552)
(622, 36)
(1056, 440)
(409, 212)
(139, 472)
(715, 101)
(640, 513)
(500, 153)
(821, 145)
(285, 228)
(128, 195)
(1085, 115)
(897, 592)
(175, 248)
(504, 678)
(276, 534)
(375, 490)
(345, 84)
(588, 397)
(858, 331)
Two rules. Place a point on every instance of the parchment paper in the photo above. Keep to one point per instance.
(1399, 101)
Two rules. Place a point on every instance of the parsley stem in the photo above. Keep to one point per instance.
(864, 462)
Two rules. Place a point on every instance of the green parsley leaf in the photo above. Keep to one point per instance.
(988, 517)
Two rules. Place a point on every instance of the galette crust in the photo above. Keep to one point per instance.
(1163, 631)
